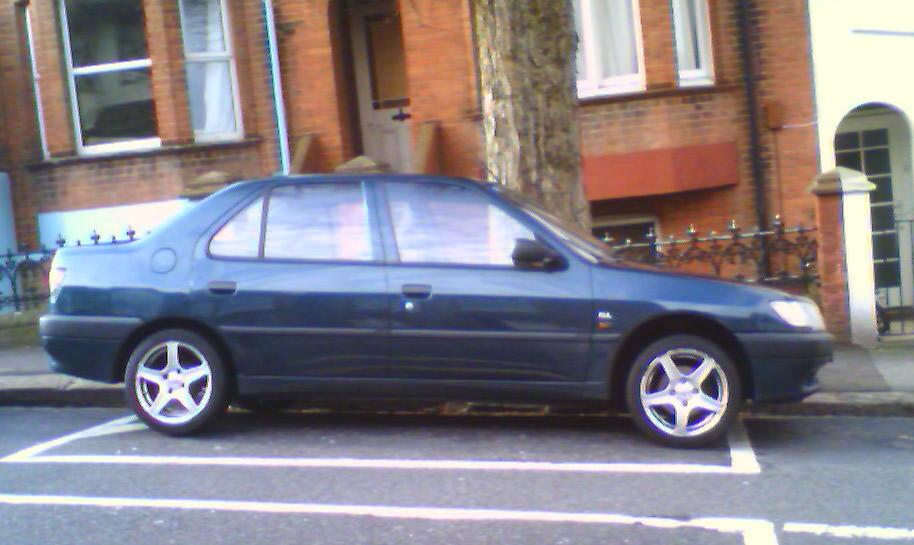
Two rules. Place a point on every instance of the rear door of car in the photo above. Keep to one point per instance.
(294, 280)
(460, 309)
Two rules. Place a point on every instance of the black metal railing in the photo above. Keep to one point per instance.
(780, 256)
(893, 269)
(24, 274)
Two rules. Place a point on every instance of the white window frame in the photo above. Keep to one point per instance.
(72, 73)
(616, 84)
(704, 74)
(226, 56)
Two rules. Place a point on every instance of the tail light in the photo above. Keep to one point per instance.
(55, 278)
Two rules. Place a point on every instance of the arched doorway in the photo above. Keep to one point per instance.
(875, 139)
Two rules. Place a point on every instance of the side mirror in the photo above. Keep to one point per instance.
(533, 254)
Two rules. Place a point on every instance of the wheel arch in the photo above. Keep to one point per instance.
(699, 325)
(136, 337)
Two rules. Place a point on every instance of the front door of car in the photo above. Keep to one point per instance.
(460, 309)
(295, 282)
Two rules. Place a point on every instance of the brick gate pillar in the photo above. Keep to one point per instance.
(845, 255)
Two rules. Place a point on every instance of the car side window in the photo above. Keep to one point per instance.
(444, 223)
(318, 221)
(240, 237)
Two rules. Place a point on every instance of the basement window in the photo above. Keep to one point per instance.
(108, 67)
(212, 88)
(691, 29)
(609, 58)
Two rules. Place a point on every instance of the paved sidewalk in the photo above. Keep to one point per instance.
(879, 381)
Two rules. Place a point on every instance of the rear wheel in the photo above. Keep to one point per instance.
(683, 391)
(176, 382)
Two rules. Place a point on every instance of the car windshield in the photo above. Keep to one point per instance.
(579, 240)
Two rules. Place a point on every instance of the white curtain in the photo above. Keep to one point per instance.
(685, 23)
(615, 33)
(212, 108)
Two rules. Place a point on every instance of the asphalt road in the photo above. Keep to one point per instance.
(379, 480)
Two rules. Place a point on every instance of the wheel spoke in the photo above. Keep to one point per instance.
(669, 367)
(704, 401)
(150, 375)
(703, 371)
(160, 402)
(173, 363)
(682, 418)
(184, 398)
(194, 374)
(658, 398)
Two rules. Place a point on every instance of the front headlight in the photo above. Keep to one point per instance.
(799, 314)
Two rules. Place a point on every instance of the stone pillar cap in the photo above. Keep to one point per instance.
(841, 181)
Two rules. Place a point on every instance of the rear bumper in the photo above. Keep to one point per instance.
(85, 346)
(784, 365)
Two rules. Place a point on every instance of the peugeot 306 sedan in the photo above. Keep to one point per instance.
(415, 287)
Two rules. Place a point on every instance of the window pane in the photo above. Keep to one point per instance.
(202, 26)
(614, 28)
(386, 62)
(318, 221)
(878, 137)
(883, 191)
(105, 31)
(435, 223)
(849, 159)
(883, 218)
(115, 106)
(847, 140)
(887, 274)
(240, 237)
(885, 246)
(209, 91)
(691, 32)
(876, 161)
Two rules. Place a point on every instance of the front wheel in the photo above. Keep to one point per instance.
(683, 391)
(176, 382)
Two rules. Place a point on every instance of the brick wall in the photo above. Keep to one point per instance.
(67, 181)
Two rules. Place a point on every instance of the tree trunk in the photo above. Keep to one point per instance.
(529, 102)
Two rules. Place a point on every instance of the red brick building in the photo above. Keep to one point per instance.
(119, 102)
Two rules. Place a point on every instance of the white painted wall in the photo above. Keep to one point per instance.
(861, 53)
(76, 225)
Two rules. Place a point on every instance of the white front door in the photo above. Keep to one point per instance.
(380, 73)
(878, 144)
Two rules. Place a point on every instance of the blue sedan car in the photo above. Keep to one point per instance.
(415, 287)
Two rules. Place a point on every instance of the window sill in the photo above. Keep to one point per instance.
(148, 152)
(660, 93)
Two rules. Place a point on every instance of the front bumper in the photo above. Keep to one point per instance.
(783, 366)
(86, 346)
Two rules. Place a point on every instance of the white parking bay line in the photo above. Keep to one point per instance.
(851, 532)
(753, 531)
(742, 458)
(118, 425)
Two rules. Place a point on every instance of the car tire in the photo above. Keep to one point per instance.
(176, 382)
(263, 405)
(683, 391)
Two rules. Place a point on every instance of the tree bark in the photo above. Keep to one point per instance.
(527, 78)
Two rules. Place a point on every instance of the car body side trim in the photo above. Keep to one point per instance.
(335, 331)
(89, 327)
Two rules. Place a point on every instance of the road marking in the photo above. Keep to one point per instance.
(754, 531)
(368, 463)
(118, 425)
(867, 532)
(742, 458)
